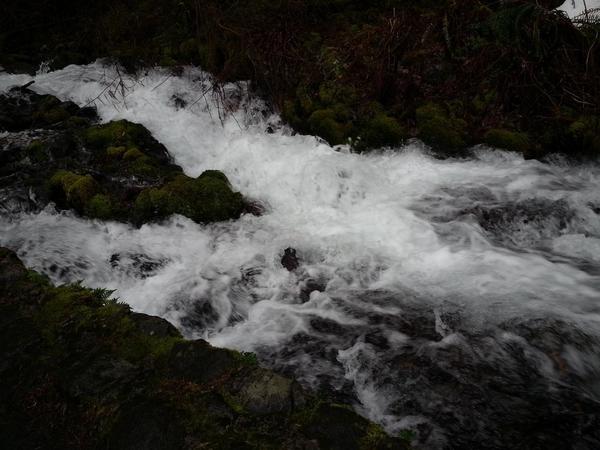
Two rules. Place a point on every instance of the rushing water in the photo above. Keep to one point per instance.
(458, 298)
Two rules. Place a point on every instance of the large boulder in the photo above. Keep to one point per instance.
(54, 151)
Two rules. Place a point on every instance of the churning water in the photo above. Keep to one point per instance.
(456, 298)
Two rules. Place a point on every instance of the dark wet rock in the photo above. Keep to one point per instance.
(254, 207)
(12, 268)
(81, 371)
(104, 376)
(290, 260)
(138, 265)
(528, 221)
(200, 315)
(154, 326)
(22, 109)
(523, 384)
(178, 101)
(198, 362)
(322, 325)
(338, 427)
(147, 425)
(309, 286)
(116, 171)
(263, 392)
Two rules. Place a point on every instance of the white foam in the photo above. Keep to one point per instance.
(359, 222)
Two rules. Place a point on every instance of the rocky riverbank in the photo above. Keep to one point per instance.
(56, 151)
(80, 370)
(516, 75)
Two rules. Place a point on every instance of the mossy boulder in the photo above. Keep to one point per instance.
(382, 131)
(115, 134)
(585, 135)
(324, 123)
(73, 190)
(438, 129)
(112, 171)
(208, 198)
(100, 206)
(508, 140)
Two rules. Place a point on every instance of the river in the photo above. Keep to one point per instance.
(456, 298)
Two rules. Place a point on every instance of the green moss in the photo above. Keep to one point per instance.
(133, 154)
(76, 190)
(100, 207)
(38, 279)
(305, 99)
(382, 131)
(76, 310)
(116, 152)
(119, 133)
(36, 151)
(208, 198)
(82, 190)
(323, 123)
(144, 167)
(233, 402)
(407, 435)
(375, 437)
(86, 355)
(509, 140)
(585, 133)
(246, 358)
(54, 115)
(438, 129)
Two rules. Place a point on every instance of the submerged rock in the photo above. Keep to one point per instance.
(81, 371)
(289, 260)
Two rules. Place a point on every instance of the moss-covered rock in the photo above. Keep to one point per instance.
(208, 198)
(508, 140)
(115, 134)
(585, 135)
(382, 131)
(73, 190)
(438, 129)
(112, 171)
(22, 109)
(81, 371)
(100, 207)
(132, 154)
(116, 152)
(324, 123)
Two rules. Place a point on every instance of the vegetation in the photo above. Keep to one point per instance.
(351, 71)
(113, 171)
(80, 371)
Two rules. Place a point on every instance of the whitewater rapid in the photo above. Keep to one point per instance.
(405, 259)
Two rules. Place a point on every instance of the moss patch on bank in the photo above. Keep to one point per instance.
(80, 370)
(352, 71)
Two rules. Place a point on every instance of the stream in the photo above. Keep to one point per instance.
(456, 300)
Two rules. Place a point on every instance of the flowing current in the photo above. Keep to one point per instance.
(458, 299)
